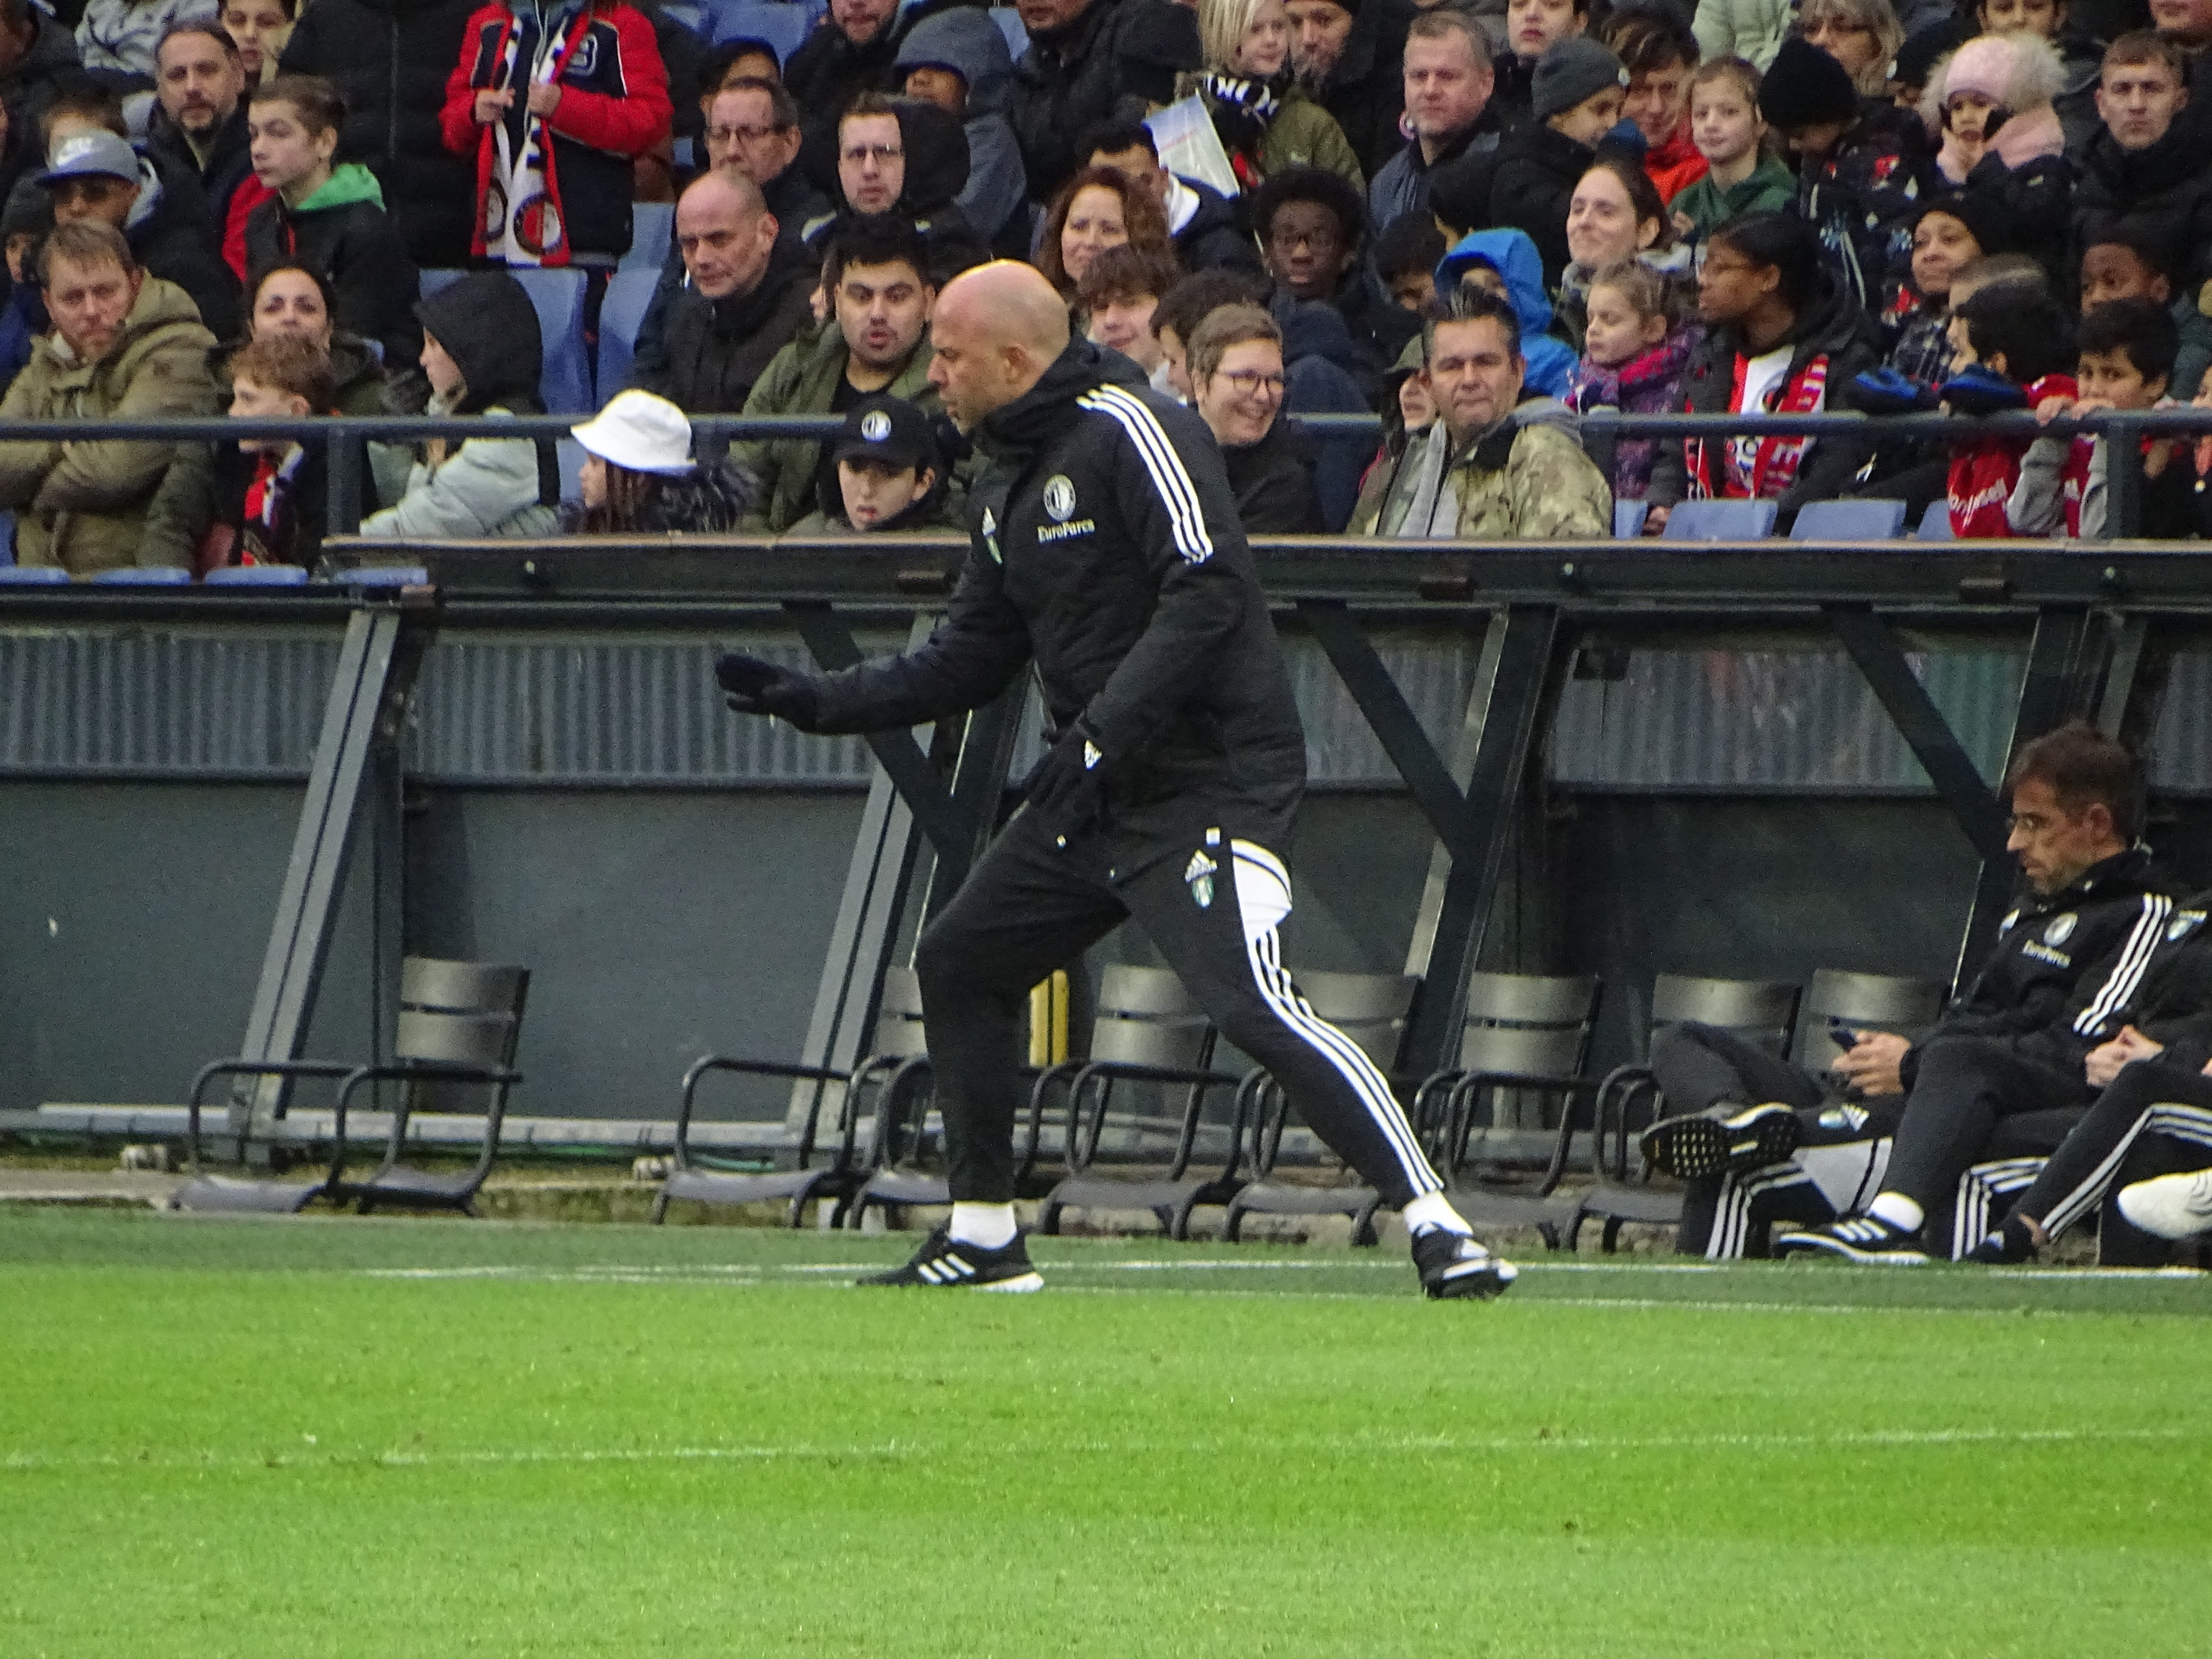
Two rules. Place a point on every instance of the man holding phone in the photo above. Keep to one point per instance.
(1859, 1158)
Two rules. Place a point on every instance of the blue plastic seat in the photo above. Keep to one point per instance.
(6, 539)
(776, 23)
(690, 15)
(1868, 519)
(651, 228)
(155, 576)
(1010, 25)
(384, 576)
(32, 576)
(571, 456)
(1936, 522)
(630, 296)
(564, 380)
(256, 575)
(1628, 519)
(1719, 521)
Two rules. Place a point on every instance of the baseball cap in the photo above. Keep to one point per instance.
(89, 153)
(888, 430)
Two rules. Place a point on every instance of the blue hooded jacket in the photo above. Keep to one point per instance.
(967, 41)
(1514, 257)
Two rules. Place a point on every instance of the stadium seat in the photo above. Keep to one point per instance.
(1010, 25)
(1758, 1011)
(778, 24)
(630, 296)
(1863, 519)
(6, 539)
(1881, 1002)
(1936, 522)
(1628, 519)
(896, 1068)
(1153, 1040)
(32, 576)
(690, 15)
(1720, 521)
(651, 229)
(459, 1022)
(384, 576)
(1370, 1009)
(152, 575)
(256, 575)
(570, 455)
(564, 383)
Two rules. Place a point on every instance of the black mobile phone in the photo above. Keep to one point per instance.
(1841, 1035)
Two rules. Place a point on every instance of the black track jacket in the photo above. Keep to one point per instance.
(1106, 547)
(2068, 966)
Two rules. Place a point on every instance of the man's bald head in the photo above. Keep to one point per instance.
(995, 331)
(725, 233)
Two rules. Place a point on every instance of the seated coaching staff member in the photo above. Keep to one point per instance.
(1106, 546)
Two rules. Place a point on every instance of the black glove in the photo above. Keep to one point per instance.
(1063, 789)
(757, 686)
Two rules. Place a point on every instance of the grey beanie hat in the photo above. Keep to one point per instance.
(1571, 70)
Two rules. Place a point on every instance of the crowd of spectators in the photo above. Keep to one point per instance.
(1483, 221)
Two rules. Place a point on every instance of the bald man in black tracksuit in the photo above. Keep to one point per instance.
(1106, 551)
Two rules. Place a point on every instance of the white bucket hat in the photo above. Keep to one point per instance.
(641, 432)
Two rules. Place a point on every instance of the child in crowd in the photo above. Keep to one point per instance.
(1742, 176)
(330, 218)
(1504, 263)
(482, 354)
(2128, 262)
(1633, 355)
(1191, 300)
(269, 494)
(1119, 294)
(2010, 349)
(1577, 97)
(556, 102)
(957, 60)
(261, 27)
(639, 478)
(2127, 354)
(25, 220)
(1533, 27)
(889, 475)
(1405, 258)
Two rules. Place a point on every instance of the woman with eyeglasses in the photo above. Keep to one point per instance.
(1236, 363)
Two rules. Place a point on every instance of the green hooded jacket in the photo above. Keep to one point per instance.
(802, 380)
(1771, 188)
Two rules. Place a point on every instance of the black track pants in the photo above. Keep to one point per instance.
(1212, 909)
(2147, 1101)
(1699, 1066)
(1964, 1088)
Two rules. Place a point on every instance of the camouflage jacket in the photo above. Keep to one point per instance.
(1526, 479)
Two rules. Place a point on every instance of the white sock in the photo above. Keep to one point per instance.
(1433, 1210)
(1900, 1211)
(991, 1225)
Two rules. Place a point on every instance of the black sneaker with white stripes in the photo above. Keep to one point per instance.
(1453, 1264)
(947, 1263)
(1706, 1143)
(1856, 1238)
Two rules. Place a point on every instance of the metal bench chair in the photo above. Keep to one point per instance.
(459, 1024)
(1874, 1002)
(1757, 1011)
(897, 1066)
(1370, 1009)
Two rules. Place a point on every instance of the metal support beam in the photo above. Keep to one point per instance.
(1512, 684)
(383, 649)
(1388, 712)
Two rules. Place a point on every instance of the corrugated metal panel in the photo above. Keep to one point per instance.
(1771, 720)
(2181, 744)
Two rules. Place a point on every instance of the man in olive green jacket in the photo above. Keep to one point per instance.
(877, 340)
(124, 345)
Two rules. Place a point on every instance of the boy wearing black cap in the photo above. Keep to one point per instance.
(889, 474)
(1576, 97)
(1862, 170)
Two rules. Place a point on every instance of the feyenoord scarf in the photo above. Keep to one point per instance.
(523, 224)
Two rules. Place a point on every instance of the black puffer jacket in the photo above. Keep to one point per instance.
(49, 68)
(358, 246)
(176, 242)
(1107, 548)
(228, 165)
(710, 352)
(2163, 189)
(1112, 64)
(1215, 237)
(1366, 90)
(391, 58)
(1274, 483)
(829, 71)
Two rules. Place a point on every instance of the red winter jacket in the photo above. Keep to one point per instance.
(1985, 470)
(614, 106)
(1675, 166)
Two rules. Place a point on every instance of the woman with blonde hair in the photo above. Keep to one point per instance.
(1863, 35)
(1097, 209)
(1265, 120)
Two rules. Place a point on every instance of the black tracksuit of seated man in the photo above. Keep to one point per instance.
(2154, 1117)
(2002, 1075)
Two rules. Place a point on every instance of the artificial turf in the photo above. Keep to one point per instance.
(386, 1437)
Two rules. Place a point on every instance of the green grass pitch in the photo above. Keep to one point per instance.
(427, 1438)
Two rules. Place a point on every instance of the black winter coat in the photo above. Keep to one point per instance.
(2164, 191)
(228, 165)
(2068, 968)
(1106, 549)
(1274, 483)
(1537, 169)
(48, 69)
(710, 352)
(1216, 237)
(2031, 201)
(828, 72)
(1112, 63)
(176, 243)
(359, 248)
(391, 58)
(1366, 90)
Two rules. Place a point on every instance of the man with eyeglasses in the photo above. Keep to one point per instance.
(853, 50)
(903, 158)
(1312, 227)
(1490, 467)
(1867, 1161)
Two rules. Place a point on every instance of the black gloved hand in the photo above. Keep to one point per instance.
(1064, 787)
(757, 686)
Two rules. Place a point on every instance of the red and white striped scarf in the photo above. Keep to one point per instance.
(1763, 467)
(523, 223)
